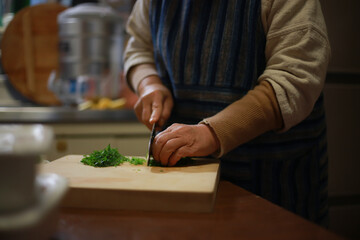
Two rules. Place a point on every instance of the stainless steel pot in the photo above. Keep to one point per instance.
(91, 42)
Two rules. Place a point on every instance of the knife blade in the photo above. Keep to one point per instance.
(152, 136)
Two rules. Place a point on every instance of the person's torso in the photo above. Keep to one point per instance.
(210, 53)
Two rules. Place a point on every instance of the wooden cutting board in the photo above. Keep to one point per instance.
(188, 189)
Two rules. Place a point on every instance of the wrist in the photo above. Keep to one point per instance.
(138, 72)
(150, 80)
(215, 143)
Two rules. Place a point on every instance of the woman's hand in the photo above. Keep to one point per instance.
(155, 102)
(180, 140)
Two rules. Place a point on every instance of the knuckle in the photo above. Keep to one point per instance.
(155, 105)
(176, 157)
(159, 140)
(176, 127)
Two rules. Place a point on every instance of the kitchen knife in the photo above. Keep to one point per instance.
(152, 135)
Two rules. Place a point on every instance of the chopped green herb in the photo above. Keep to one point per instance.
(109, 157)
(104, 158)
(136, 161)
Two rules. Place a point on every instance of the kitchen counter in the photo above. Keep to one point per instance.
(82, 132)
(63, 115)
(238, 214)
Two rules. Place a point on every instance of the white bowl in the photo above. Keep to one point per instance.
(20, 149)
(39, 220)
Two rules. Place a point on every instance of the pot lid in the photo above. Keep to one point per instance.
(91, 10)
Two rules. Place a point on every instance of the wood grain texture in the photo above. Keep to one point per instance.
(237, 214)
(30, 51)
(189, 189)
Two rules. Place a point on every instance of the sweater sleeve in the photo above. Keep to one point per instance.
(297, 54)
(252, 115)
(139, 49)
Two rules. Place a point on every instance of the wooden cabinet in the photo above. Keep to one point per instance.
(84, 138)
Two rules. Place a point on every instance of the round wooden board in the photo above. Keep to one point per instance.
(30, 51)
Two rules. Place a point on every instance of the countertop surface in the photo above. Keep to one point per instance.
(238, 214)
(14, 108)
(30, 114)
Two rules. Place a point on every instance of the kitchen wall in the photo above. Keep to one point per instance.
(343, 118)
(342, 102)
(342, 19)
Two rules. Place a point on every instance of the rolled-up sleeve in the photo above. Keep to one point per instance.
(297, 54)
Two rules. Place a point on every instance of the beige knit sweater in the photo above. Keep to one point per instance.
(297, 54)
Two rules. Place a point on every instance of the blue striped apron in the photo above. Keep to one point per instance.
(210, 53)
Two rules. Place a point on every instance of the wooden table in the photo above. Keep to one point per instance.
(238, 214)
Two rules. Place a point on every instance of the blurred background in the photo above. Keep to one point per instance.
(342, 102)
(62, 67)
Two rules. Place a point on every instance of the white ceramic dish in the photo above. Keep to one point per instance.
(21, 146)
(51, 188)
